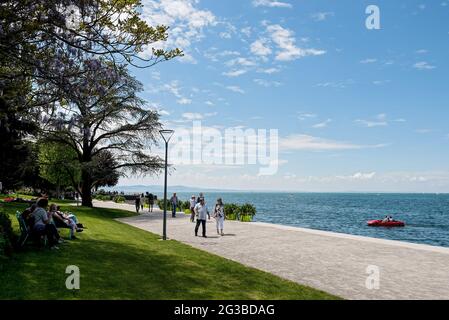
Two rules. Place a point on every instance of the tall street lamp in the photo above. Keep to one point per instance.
(166, 135)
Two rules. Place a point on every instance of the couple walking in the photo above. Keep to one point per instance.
(201, 212)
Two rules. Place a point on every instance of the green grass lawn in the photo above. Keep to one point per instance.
(118, 261)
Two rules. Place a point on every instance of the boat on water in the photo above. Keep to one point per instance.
(381, 223)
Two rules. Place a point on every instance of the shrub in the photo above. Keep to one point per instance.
(247, 212)
(6, 236)
(160, 203)
(180, 207)
(102, 197)
(231, 211)
(119, 199)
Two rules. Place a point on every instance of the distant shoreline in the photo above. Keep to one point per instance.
(183, 189)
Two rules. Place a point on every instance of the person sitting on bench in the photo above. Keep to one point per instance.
(60, 222)
(42, 225)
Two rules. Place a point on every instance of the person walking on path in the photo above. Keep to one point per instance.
(137, 203)
(192, 208)
(150, 202)
(201, 214)
(219, 216)
(174, 204)
(142, 201)
(200, 196)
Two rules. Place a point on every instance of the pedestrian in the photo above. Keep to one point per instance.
(174, 204)
(142, 201)
(137, 202)
(219, 216)
(200, 196)
(201, 213)
(192, 208)
(150, 202)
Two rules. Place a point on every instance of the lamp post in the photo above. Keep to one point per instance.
(166, 135)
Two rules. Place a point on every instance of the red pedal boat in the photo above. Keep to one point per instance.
(381, 223)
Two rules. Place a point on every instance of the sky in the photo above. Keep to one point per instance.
(355, 109)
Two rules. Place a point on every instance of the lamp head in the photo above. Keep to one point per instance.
(166, 134)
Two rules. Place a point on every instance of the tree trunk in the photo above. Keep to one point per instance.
(86, 178)
(86, 191)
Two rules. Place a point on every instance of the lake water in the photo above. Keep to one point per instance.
(426, 215)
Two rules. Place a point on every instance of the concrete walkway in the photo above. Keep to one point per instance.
(336, 263)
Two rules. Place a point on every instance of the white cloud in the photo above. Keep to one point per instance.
(163, 112)
(309, 143)
(321, 16)
(423, 65)
(306, 115)
(186, 20)
(271, 4)
(173, 88)
(422, 51)
(225, 35)
(246, 31)
(155, 75)
(192, 116)
(269, 70)
(184, 101)
(286, 43)
(336, 84)
(209, 103)
(363, 176)
(381, 82)
(236, 89)
(245, 62)
(323, 124)
(267, 83)
(234, 73)
(260, 47)
(381, 120)
(213, 54)
(368, 60)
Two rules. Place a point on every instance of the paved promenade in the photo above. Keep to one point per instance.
(335, 263)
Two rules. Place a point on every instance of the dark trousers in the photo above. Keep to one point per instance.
(173, 210)
(50, 231)
(203, 223)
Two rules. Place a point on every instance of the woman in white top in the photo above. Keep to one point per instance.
(219, 216)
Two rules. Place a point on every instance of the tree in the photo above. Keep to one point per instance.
(59, 165)
(102, 113)
(77, 71)
(15, 124)
(104, 172)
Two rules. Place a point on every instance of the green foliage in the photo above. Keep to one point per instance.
(244, 213)
(231, 211)
(103, 197)
(248, 209)
(59, 164)
(119, 199)
(181, 205)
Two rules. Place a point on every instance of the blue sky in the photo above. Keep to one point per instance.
(356, 109)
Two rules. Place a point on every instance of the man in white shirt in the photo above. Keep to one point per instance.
(201, 214)
(192, 208)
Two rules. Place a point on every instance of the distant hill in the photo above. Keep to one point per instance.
(160, 189)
